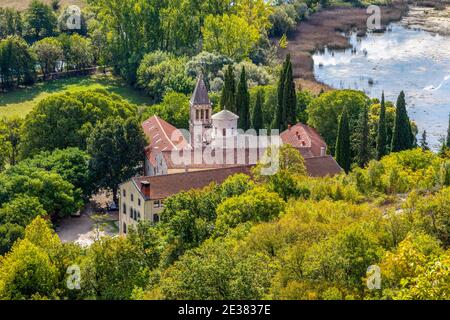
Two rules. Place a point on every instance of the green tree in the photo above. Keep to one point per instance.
(257, 204)
(257, 117)
(115, 147)
(11, 23)
(402, 137)
(112, 269)
(228, 96)
(174, 108)
(66, 119)
(361, 138)
(424, 142)
(17, 63)
(10, 138)
(289, 98)
(381, 133)
(243, 102)
(332, 104)
(49, 53)
(9, 234)
(21, 210)
(40, 20)
(279, 120)
(230, 35)
(343, 143)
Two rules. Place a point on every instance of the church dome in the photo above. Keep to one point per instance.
(225, 115)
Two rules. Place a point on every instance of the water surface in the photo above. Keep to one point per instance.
(415, 61)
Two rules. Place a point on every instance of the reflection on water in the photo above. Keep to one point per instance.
(415, 61)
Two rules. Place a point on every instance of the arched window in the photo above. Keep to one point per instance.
(156, 218)
(124, 228)
(124, 208)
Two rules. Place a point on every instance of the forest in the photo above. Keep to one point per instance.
(286, 236)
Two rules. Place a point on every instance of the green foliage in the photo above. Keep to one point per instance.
(39, 21)
(243, 102)
(257, 117)
(343, 155)
(112, 269)
(402, 137)
(76, 113)
(381, 134)
(17, 63)
(214, 272)
(228, 96)
(174, 109)
(11, 23)
(230, 35)
(21, 210)
(332, 104)
(256, 205)
(160, 72)
(115, 146)
(49, 52)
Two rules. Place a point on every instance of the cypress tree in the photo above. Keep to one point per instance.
(402, 137)
(447, 143)
(382, 133)
(228, 97)
(243, 102)
(343, 143)
(289, 98)
(257, 117)
(278, 121)
(423, 141)
(362, 136)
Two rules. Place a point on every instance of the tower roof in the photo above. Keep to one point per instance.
(225, 115)
(200, 95)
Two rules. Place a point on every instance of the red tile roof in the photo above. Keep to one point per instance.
(161, 187)
(162, 134)
(305, 138)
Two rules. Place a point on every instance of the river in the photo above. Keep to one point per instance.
(412, 60)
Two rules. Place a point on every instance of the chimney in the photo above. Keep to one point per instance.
(289, 126)
(322, 151)
(145, 186)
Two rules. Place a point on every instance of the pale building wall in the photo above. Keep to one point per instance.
(135, 202)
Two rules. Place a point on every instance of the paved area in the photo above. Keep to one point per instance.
(92, 224)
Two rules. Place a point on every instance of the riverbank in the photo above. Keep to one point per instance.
(435, 20)
(327, 28)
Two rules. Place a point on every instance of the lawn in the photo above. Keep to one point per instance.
(22, 101)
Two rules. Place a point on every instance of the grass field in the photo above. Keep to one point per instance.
(22, 101)
(23, 4)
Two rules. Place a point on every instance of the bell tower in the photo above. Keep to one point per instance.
(200, 113)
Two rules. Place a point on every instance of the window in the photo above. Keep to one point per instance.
(224, 132)
(207, 114)
(124, 208)
(139, 202)
(131, 212)
(124, 228)
(132, 197)
(155, 218)
(134, 214)
(202, 115)
(139, 216)
(162, 203)
(124, 193)
(196, 114)
(156, 204)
